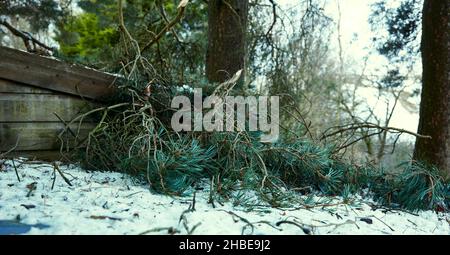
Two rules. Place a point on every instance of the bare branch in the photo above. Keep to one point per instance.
(169, 26)
(274, 19)
(349, 127)
(26, 37)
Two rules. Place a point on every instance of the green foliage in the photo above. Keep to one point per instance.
(85, 38)
(93, 37)
(416, 186)
(399, 29)
(402, 24)
(136, 143)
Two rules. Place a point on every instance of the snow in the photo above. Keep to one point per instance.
(115, 203)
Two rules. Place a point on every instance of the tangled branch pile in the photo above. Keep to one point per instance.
(134, 136)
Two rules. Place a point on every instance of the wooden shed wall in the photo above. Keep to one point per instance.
(29, 115)
(55, 75)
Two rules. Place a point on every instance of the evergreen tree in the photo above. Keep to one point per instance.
(227, 29)
(435, 104)
(403, 47)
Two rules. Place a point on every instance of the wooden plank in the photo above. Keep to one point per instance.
(36, 136)
(49, 73)
(46, 156)
(17, 87)
(41, 107)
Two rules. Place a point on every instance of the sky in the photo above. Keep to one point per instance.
(356, 36)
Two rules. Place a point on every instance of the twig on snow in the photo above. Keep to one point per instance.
(56, 167)
(305, 230)
(170, 230)
(248, 223)
(15, 169)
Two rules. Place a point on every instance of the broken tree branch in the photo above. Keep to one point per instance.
(26, 37)
(274, 19)
(10, 150)
(169, 26)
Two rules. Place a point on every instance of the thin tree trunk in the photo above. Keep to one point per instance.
(435, 104)
(226, 38)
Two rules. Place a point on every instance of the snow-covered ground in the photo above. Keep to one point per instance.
(114, 203)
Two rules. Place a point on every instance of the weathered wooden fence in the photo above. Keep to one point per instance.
(38, 94)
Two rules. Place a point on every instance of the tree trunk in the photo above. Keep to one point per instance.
(435, 104)
(226, 39)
